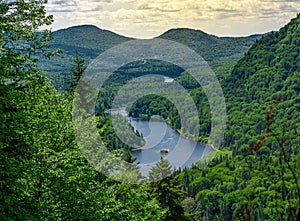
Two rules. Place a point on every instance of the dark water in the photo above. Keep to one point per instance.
(160, 136)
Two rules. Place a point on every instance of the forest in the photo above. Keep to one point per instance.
(45, 176)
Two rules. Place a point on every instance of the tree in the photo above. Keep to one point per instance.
(167, 191)
(132, 164)
(284, 145)
(79, 68)
(43, 174)
(189, 205)
(21, 41)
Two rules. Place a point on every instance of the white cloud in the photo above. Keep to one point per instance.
(142, 18)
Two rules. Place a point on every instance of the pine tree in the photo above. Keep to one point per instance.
(186, 181)
(167, 191)
(162, 170)
(77, 72)
(84, 96)
(132, 164)
(20, 82)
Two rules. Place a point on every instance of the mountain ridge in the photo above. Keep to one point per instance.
(254, 35)
(89, 41)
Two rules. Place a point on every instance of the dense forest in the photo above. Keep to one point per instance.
(89, 41)
(44, 175)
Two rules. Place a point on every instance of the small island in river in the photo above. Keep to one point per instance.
(164, 151)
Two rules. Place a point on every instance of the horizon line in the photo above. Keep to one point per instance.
(173, 28)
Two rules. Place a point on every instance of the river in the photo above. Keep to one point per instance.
(160, 136)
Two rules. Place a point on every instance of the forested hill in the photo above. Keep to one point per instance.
(89, 41)
(86, 37)
(261, 179)
(269, 70)
(215, 50)
(86, 40)
(46, 176)
(270, 61)
(191, 37)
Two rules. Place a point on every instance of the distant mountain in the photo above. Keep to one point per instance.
(215, 50)
(86, 40)
(90, 41)
(190, 37)
(258, 36)
(254, 36)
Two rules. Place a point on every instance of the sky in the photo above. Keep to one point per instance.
(150, 18)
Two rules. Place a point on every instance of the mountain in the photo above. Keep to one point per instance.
(269, 70)
(89, 41)
(254, 36)
(190, 37)
(259, 178)
(215, 50)
(86, 40)
(269, 65)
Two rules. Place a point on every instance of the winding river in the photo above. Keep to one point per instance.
(160, 136)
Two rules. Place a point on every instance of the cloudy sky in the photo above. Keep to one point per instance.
(149, 18)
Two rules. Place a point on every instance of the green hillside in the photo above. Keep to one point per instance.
(260, 179)
(86, 40)
(216, 51)
(52, 170)
(269, 70)
(255, 176)
(90, 41)
(190, 37)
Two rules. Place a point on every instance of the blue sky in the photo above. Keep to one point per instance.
(146, 19)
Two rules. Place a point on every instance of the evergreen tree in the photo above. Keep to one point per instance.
(132, 165)
(84, 95)
(186, 181)
(77, 71)
(20, 42)
(43, 174)
(167, 191)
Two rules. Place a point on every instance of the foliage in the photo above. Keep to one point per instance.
(264, 184)
(79, 68)
(20, 40)
(44, 176)
(166, 191)
(90, 41)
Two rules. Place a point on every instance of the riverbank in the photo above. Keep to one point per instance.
(123, 112)
(190, 138)
(160, 119)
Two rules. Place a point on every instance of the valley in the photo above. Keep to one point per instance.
(53, 170)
